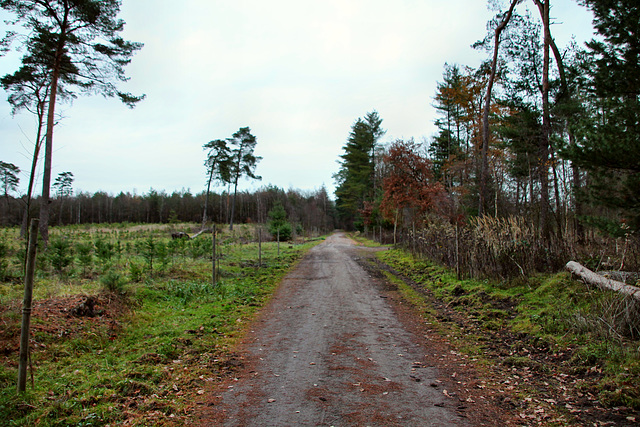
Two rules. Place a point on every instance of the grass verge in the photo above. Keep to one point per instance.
(563, 352)
(155, 344)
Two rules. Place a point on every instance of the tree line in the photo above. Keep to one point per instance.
(308, 211)
(74, 48)
(541, 132)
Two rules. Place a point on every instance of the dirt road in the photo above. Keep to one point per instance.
(329, 350)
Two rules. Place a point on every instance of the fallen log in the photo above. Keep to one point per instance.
(205, 230)
(591, 278)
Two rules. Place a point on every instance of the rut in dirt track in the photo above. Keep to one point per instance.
(330, 351)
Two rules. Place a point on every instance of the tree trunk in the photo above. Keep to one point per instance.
(545, 226)
(395, 227)
(484, 165)
(518, 196)
(556, 51)
(591, 278)
(233, 203)
(45, 201)
(577, 208)
(206, 198)
(544, 13)
(48, 148)
(34, 163)
(556, 190)
(532, 198)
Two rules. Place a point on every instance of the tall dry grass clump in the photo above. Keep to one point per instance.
(488, 247)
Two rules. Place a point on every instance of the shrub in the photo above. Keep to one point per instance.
(200, 248)
(85, 256)
(136, 272)
(149, 250)
(60, 254)
(113, 282)
(177, 246)
(104, 250)
(284, 231)
(278, 225)
(4, 264)
(163, 254)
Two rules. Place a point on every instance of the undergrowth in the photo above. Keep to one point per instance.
(163, 336)
(551, 323)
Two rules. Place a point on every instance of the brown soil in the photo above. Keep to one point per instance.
(337, 346)
(53, 318)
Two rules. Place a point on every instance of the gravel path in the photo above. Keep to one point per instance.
(329, 350)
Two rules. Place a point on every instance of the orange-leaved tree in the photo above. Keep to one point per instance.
(409, 185)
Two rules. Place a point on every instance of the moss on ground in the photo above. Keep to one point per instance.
(550, 323)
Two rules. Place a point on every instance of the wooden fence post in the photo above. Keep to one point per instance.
(26, 305)
(413, 238)
(213, 267)
(458, 273)
(259, 246)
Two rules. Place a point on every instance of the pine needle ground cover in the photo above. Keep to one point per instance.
(161, 333)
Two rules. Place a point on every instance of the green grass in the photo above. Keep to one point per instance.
(551, 312)
(367, 243)
(173, 338)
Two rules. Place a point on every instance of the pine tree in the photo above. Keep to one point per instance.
(218, 166)
(77, 43)
(355, 181)
(9, 177)
(278, 225)
(608, 136)
(242, 163)
(451, 102)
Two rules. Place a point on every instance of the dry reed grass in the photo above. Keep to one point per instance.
(488, 247)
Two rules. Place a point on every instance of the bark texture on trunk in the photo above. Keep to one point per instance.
(48, 146)
(484, 162)
(545, 226)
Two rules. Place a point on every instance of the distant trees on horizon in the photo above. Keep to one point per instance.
(312, 210)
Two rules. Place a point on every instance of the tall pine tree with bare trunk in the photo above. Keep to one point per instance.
(28, 89)
(243, 162)
(80, 40)
(218, 166)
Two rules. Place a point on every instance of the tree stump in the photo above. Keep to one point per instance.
(86, 308)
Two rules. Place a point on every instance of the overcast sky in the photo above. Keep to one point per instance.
(297, 72)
